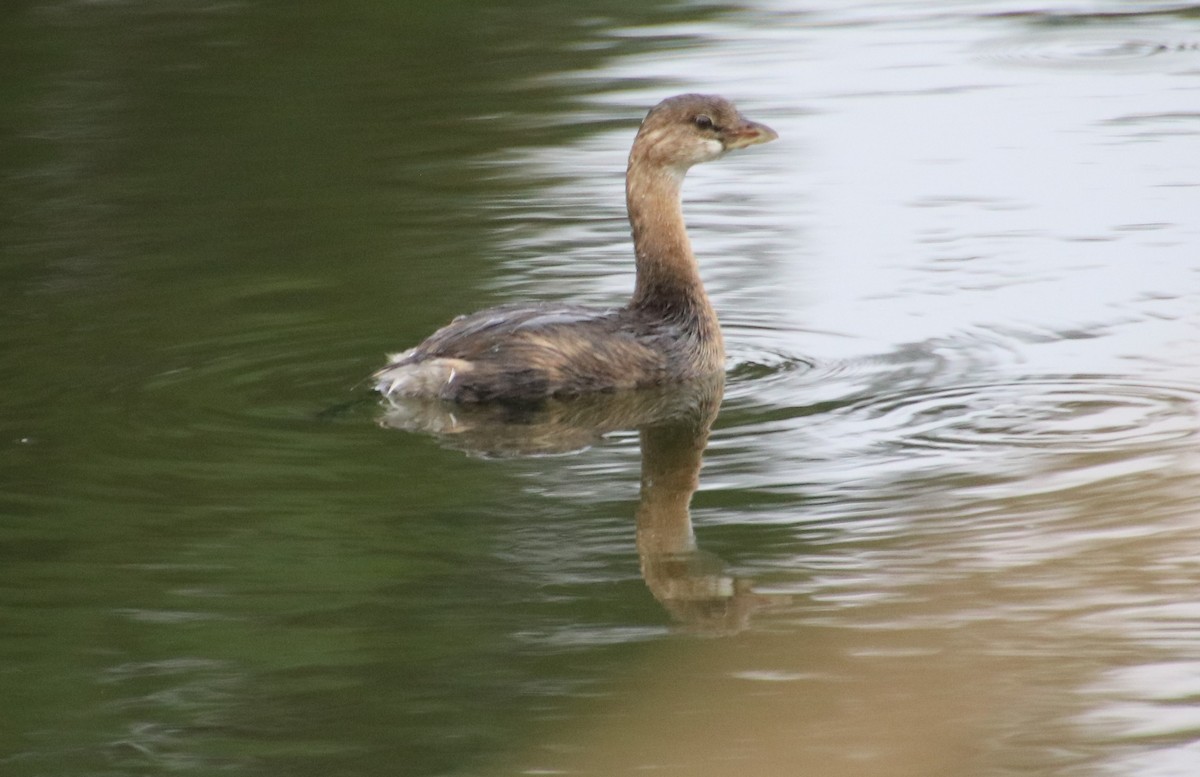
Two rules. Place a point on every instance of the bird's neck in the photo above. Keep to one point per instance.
(668, 280)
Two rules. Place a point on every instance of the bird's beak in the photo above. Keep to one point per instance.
(748, 133)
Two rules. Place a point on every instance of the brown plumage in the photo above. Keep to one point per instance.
(668, 332)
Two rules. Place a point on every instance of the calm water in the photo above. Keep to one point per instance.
(948, 520)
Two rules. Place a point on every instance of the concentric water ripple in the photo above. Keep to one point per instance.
(748, 369)
(1069, 414)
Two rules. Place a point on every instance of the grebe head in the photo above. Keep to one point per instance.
(688, 129)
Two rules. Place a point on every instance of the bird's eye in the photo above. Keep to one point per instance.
(703, 122)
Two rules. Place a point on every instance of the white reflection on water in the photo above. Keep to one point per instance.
(961, 296)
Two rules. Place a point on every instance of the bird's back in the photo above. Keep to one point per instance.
(525, 352)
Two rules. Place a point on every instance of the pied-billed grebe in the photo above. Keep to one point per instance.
(668, 332)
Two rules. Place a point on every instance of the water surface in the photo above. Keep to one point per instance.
(946, 520)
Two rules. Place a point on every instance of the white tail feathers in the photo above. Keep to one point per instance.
(429, 378)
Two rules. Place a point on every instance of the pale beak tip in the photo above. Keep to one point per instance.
(751, 133)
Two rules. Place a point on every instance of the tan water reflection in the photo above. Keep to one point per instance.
(693, 585)
(1015, 643)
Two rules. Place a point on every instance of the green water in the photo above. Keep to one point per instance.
(945, 521)
(216, 218)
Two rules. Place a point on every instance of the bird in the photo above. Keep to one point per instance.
(668, 331)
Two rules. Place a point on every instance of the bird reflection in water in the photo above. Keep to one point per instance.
(693, 585)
